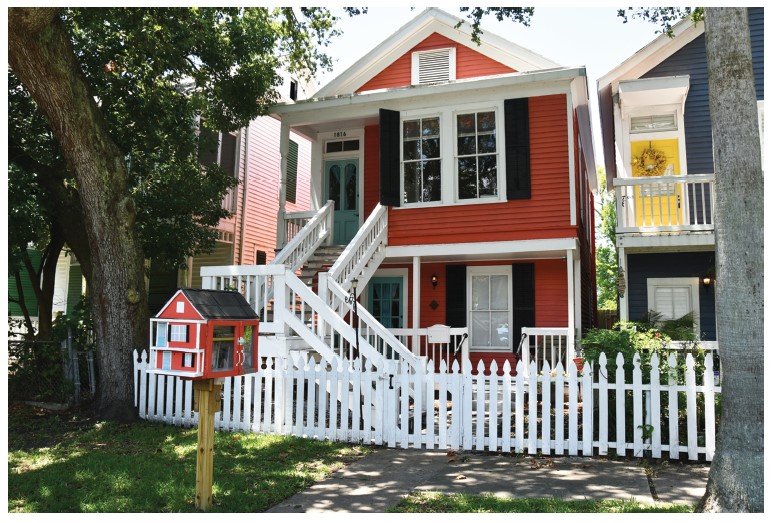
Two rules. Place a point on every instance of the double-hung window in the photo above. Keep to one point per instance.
(477, 167)
(421, 160)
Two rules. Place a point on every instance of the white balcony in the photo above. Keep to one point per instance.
(665, 204)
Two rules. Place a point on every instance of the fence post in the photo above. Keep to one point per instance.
(75, 370)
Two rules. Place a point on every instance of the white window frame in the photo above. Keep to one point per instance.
(166, 360)
(692, 282)
(176, 330)
(449, 152)
(489, 270)
(161, 327)
(441, 159)
(496, 197)
(416, 64)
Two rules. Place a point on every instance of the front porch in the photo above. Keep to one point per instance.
(433, 309)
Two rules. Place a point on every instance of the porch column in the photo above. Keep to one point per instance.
(415, 303)
(571, 303)
(284, 149)
(623, 305)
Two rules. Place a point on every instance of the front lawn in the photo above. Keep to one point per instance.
(65, 463)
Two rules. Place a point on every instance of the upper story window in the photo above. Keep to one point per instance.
(477, 167)
(421, 160)
(434, 66)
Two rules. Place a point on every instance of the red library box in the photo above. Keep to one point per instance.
(202, 334)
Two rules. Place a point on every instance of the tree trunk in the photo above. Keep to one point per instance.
(736, 475)
(41, 54)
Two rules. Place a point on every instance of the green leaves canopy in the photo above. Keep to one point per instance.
(153, 72)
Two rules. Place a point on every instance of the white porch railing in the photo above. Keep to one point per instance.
(665, 203)
(552, 345)
(439, 343)
(364, 253)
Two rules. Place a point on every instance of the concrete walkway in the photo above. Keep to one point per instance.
(379, 481)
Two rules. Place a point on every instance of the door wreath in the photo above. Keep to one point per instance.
(650, 162)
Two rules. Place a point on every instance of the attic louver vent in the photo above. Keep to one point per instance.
(435, 66)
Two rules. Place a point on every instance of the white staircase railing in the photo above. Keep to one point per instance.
(258, 287)
(370, 329)
(364, 253)
(304, 243)
(297, 310)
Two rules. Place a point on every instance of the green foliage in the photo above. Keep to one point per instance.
(606, 253)
(644, 338)
(36, 368)
(664, 17)
(521, 15)
(434, 502)
(154, 71)
(64, 464)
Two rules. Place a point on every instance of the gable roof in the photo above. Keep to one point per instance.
(430, 21)
(217, 305)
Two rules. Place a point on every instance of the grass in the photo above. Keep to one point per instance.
(64, 463)
(433, 502)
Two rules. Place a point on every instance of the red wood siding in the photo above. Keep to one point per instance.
(551, 300)
(170, 311)
(545, 215)
(551, 293)
(371, 168)
(469, 63)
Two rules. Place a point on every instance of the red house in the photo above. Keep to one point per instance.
(202, 334)
(456, 183)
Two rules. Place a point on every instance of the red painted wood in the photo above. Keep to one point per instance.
(371, 168)
(170, 310)
(545, 215)
(469, 64)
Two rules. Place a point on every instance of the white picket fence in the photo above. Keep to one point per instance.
(551, 411)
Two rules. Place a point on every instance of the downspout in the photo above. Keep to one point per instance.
(245, 134)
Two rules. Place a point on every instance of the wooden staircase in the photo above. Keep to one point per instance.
(321, 260)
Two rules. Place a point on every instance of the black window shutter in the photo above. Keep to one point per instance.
(228, 154)
(455, 304)
(389, 158)
(517, 125)
(187, 333)
(291, 172)
(208, 145)
(523, 287)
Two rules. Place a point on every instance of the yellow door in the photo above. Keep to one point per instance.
(656, 204)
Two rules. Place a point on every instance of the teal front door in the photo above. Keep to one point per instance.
(341, 182)
(386, 301)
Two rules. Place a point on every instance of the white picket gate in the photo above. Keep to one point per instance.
(550, 411)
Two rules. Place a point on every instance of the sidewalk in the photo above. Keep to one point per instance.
(380, 480)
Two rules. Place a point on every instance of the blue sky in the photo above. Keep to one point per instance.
(572, 36)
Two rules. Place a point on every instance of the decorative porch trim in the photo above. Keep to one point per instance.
(538, 248)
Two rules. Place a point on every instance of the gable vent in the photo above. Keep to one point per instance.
(435, 66)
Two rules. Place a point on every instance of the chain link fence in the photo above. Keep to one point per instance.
(52, 371)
